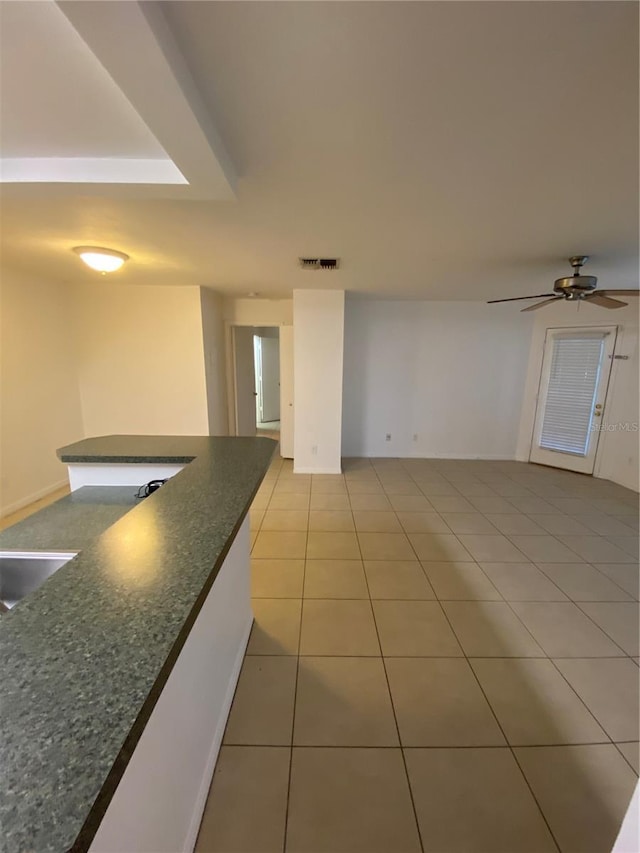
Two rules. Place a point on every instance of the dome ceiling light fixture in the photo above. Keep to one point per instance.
(100, 259)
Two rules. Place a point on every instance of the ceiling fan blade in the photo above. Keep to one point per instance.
(542, 304)
(604, 301)
(608, 292)
(518, 298)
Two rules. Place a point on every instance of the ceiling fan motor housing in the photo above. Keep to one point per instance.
(576, 284)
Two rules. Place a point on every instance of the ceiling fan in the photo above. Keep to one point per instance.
(576, 287)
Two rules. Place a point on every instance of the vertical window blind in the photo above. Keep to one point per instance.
(573, 382)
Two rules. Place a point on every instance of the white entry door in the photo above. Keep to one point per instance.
(572, 396)
(286, 392)
(269, 380)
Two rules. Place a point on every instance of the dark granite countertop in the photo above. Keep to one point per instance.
(71, 523)
(85, 657)
(134, 448)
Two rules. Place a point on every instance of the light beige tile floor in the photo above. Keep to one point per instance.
(444, 658)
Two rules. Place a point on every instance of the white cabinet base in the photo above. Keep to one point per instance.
(158, 805)
(118, 474)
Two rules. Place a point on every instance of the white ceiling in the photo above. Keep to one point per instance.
(57, 100)
(443, 150)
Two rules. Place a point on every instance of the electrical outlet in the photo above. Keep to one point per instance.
(388, 437)
(314, 450)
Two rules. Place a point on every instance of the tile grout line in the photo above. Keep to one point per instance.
(434, 747)
(594, 566)
(579, 600)
(569, 657)
(506, 739)
(435, 657)
(566, 680)
(295, 686)
(393, 709)
(588, 615)
(617, 746)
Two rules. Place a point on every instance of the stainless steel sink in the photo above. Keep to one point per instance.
(21, 573)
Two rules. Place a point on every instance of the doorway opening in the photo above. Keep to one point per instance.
(261, 383)
(266, 359)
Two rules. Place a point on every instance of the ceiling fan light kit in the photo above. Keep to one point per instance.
(576, 287)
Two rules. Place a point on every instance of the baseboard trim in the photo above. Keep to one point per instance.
(32, 498)
(490, 457)
(306, 470)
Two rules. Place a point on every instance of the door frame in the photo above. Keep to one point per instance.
(231, 366)
(233, 383)
(614, 330)
(257, 351)
(287, 401)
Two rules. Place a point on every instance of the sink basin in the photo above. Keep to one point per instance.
(22, 573)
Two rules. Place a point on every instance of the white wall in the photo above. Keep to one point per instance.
(617, 455)
(39, 396)
(258, 312)
(141, 359)
(451, 373)
(318, 344)
(213, 335)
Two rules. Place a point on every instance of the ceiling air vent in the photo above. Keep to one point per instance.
(319, 263)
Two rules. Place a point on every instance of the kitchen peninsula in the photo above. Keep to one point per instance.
(118, 673)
